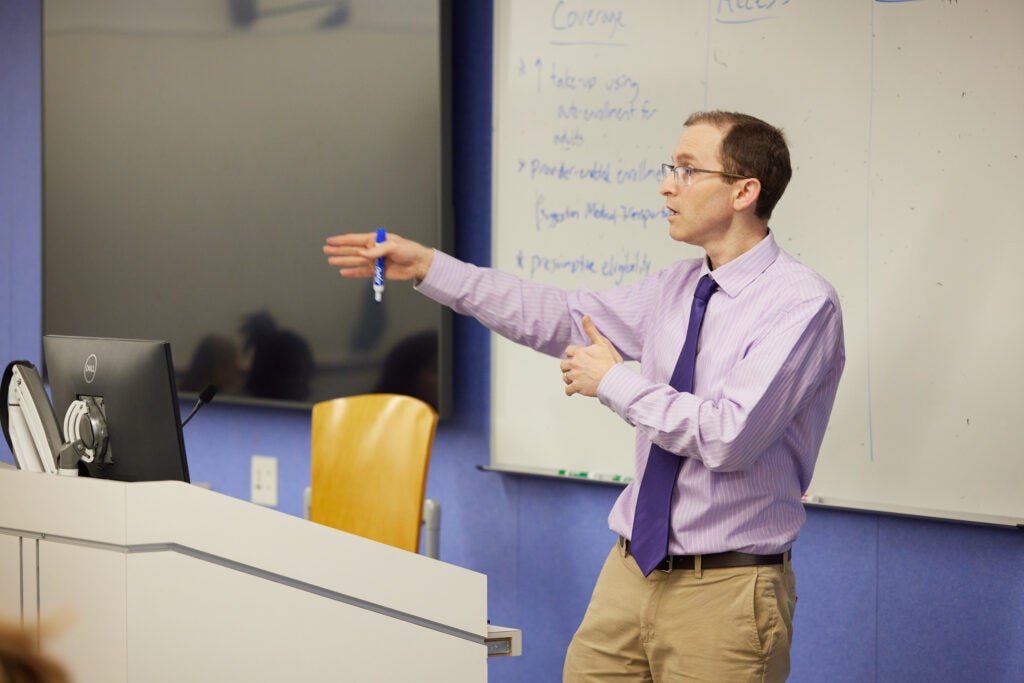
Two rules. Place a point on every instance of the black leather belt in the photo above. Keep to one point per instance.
(715, 560)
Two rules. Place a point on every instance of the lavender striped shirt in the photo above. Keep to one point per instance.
(768, 366)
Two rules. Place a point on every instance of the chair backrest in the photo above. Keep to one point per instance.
(370, 455)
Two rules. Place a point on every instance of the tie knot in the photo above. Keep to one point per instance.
(705, 288)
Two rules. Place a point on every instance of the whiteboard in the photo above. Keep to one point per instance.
(904, 124)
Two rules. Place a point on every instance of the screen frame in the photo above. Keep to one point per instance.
(443, 240)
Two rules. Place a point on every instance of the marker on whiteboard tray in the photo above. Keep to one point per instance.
(378, 269)
(594, 476)
(614, 478)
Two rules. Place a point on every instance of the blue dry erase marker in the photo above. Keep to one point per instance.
(378, 269)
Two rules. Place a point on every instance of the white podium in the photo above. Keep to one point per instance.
(164, 581)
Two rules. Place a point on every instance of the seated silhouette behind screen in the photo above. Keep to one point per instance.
(411, 368)
(282, 362)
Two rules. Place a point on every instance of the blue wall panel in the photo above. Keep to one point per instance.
(835, 560)
(20, 182)
(951, 604)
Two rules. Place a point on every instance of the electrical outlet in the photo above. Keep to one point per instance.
(263, 480)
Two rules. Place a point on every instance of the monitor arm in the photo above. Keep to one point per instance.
(85, 424)
(31, 429)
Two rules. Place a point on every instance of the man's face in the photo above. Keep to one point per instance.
(701, 211)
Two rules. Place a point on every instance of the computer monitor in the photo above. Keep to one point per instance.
(131, 384)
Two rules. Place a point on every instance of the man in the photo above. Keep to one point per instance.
(737, 419)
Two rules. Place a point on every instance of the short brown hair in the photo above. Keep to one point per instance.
(753, 149)
(21, 660)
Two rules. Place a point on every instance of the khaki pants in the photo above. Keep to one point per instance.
(716, 625)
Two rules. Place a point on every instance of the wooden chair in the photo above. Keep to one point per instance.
(370, 455)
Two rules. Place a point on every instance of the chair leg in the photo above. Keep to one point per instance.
(432, 519)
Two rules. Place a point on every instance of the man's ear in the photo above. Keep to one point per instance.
(746, 193)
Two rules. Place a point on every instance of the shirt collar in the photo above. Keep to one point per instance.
(735, 275)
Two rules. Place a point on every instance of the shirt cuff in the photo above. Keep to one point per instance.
(620, 388)
(443, 279)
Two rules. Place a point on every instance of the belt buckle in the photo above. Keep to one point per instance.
(670, 560)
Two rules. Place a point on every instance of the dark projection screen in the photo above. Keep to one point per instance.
(198, 153)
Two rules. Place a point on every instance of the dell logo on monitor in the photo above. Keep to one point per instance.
(89, 371)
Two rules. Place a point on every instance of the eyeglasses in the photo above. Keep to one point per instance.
(684, 174)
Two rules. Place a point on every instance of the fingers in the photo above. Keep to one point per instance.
(354, 254)
(354, 249)
(570, 387)
(591, 329)
(566, 368)
(570, 373)
(364, 250)
(354, 239)
(349, 261)
(358, 272)
(599, 339)
(585, 366)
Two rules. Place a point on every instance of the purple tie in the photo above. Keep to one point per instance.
(649, 544)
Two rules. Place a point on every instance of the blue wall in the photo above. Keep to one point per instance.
(881, 598)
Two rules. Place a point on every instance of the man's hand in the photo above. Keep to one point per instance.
(585, 366)
(354, 255)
